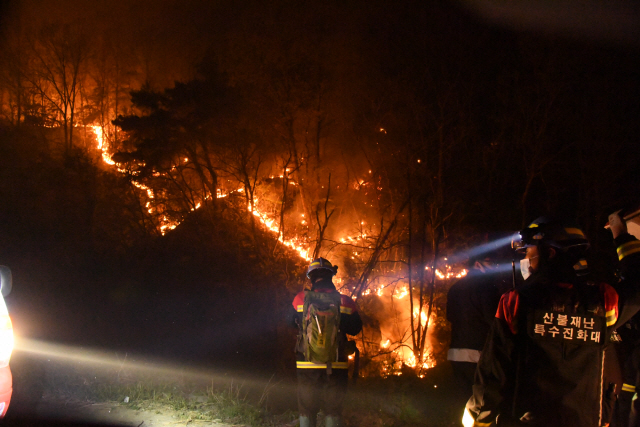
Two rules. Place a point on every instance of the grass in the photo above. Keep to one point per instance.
(376, 402)
(184, 397)
(230, 405)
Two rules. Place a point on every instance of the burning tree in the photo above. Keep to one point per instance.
(173, 147)
(59, 56)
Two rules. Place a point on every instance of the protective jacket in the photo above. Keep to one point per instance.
(471, 306)
(350, 323)
(543, 360)
(629, 407)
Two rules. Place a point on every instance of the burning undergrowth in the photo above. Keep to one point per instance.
(347, 220)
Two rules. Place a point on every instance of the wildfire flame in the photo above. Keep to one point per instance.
(403, 353)
(272, 226)
(103, 146)
(403, 293)
(167, 225)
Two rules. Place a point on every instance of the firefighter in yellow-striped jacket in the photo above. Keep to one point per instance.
(322, 386)
(628, 405)
(543, 361)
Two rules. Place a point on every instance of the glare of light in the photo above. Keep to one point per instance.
(108, 359)
(484, 248)
(6, 335)
(467, 419)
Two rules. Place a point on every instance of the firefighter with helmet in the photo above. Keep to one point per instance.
(324, 317)
(542, 363)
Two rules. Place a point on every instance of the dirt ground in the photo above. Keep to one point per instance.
(114, 414)
(56, 391)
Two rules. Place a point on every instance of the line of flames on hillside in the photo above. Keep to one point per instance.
(404, 354)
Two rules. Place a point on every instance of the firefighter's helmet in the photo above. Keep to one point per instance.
(321, 264)
(552, 232)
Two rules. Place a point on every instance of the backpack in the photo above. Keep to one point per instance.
(320, 335)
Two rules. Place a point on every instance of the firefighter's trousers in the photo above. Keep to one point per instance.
(318, 390)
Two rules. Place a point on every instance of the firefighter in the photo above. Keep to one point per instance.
(322, 386)
(542, 363)
(628, 406)
(471, 306)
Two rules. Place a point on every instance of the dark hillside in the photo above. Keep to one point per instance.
(87, 271)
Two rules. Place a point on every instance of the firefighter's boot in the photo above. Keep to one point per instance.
(307, 421)
(332, 421)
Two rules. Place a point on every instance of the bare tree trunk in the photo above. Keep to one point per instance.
(377, 252)
(285, 187)
(322, 227)
(409, 266)
(436, 240)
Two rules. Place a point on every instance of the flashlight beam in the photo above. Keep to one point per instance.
(106, 360)
(483, 248)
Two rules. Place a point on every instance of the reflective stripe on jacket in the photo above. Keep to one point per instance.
(463, 355)
(347, 305)
(301, 364)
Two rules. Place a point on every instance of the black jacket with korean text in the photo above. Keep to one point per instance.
(544, 356)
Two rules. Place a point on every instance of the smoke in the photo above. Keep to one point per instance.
(617, 21)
